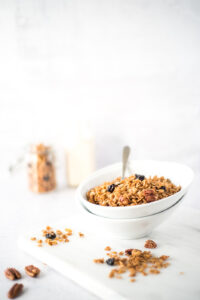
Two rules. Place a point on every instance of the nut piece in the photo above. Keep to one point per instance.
(32, 271)
(15, 290)
(12, 274)
(150, 244)
(150, 195)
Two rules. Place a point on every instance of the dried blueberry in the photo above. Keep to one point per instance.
(46, 178)
(51, 235)
(128, 251)
(140, 177)
(110, 261)
(163, 188)
(111, 188)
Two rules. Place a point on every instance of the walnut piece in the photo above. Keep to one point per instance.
(150, 244)
(150, 195)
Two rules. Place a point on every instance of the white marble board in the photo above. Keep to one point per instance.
(178, 237)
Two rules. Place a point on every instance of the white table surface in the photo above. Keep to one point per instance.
(22, 210)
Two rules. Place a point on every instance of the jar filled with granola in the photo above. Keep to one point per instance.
(41, 169)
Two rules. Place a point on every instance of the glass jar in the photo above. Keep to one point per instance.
(41, 169)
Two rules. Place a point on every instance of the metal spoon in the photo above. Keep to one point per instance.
(125, 156)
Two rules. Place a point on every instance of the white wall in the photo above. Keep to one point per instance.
(130, 67)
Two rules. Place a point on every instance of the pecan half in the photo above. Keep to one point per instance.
(150, 195)
(32, 271)
(12, 274)
(150, 244)
(15, 290)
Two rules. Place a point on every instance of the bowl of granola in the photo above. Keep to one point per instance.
(148, 188)
(123, 228)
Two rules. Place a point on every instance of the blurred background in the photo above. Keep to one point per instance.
(129, 69)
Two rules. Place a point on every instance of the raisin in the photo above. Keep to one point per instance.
(128, 251)
(51, 235)
(110, 261)
(140, 177)
(111, 188)
(48, 163)
(163, 188)
(46, 178)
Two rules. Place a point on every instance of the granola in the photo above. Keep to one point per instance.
(135, 261)
(53, 237)
(133, 190)
(41, 169)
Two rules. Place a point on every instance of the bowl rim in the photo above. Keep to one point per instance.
(116, 220)
(115, 165)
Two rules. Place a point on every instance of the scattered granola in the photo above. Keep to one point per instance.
(150, 244)
(32, 271)
(15, 290)
(133, 190)
(54, 237)
(108, 248)
(137, 261)
(12, 274)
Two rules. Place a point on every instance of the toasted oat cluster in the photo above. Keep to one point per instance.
(135, 261)
(133, 190)
(53, 237)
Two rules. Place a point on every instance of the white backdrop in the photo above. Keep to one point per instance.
(131, 68)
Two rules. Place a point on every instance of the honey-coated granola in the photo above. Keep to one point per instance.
(133, 190)
(135, 262)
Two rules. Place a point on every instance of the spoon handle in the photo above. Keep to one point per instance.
(125, 156)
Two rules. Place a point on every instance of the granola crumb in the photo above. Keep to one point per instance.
(33, 239)
(108, 248)
(181, 273)
(99, 260)
(150, 244)
(81, 234)
(132, 280)
(154, 271)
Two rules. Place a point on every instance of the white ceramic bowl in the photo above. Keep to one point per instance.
(123, 228)
(178, 173)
